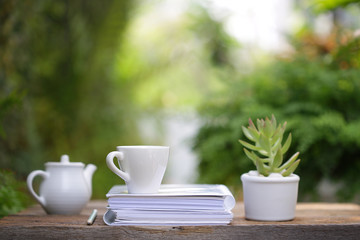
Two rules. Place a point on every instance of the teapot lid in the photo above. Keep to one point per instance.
(65, 161)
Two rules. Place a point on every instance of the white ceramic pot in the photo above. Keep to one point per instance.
(270, 198)
(66, 187)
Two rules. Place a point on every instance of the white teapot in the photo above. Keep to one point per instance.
(66, 187)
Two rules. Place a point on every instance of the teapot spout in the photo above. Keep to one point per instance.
(88, 173)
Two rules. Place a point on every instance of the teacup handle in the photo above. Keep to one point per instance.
(29, 181)
(116, 170)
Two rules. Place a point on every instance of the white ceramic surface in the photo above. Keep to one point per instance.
(270, 198)
(66, 186)
(141, 167)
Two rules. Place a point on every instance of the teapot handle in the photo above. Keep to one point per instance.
(29, 181)
(112, 167)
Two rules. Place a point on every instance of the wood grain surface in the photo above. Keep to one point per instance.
(313, 221)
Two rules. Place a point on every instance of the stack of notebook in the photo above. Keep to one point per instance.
(187, 204)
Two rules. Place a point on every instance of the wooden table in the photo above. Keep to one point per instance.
(313, 221)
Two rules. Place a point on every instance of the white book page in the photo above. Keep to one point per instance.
(177, 193)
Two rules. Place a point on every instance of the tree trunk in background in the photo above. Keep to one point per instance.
(56, 62)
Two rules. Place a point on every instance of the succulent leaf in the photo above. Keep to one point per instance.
(277, 134)
(264, 153)
(248, 134)
(254, 133)
(250, 155)
(261, 167)
(277, 144)
(264, 143)
(290, 161)
(286, 144)
(260, 125)
(273, 120)
(268, 128)
(251, 124)
(277, 159)
(291, 169)
(249, 146)
(265, 160)
(283, 128)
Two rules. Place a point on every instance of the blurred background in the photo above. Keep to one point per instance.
(82, 77)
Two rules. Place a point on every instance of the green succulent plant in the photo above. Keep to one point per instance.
(267, 140)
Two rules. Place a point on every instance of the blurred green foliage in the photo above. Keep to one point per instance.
(57, 84)
(173, 64)
(316, 90)
(320, 6)
(12, 196)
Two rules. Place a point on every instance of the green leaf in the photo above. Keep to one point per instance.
(264, 153)
(289, 162)
(254, 133)
(286, 145)
(264, 143)
(251, 155)
(277, 159)
(251, 124)
(248, 134)
(277, 145)
(265, 160)
(291, 169)
(277, 134)
(249, 146)
(283, 128)
(260, 124)
(273, 121)
(268, 128)
(261, 167)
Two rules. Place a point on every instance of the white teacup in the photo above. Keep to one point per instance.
(141, 167)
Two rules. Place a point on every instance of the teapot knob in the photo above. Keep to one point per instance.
(64, 159)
